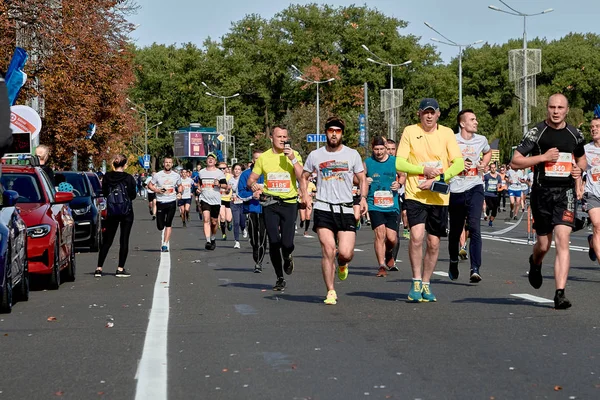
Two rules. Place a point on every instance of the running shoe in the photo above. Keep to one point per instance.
(229, 226)
(381, 272)
(475, 277)
(288, 265)
(213, 244)
(485, 218)
(257, 268)
(426, 295)
(463, 253)
(591, 252)
(535, 274)
(406, 234)
(122, 273)
(164, 249)
(279, 285)
(342, 272)
(490, 223)
(414, 295)
(236, 245)
(306, 234)
(389, 261)
(560, 301)
(153, 217)
(331, 298)
(512, 214)
(208, 246)
(98, 273)
(245, 233)
(224, 236)
(184, 224)
(453, 270)
(358, 225)
(368, 222)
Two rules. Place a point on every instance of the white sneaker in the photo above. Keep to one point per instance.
(245, 233)
(236, 245)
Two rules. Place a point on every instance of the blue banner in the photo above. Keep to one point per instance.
(15, 77)
(362, 130)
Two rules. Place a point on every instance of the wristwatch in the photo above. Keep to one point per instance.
(294, 161)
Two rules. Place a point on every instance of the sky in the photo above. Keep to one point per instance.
(462, 21)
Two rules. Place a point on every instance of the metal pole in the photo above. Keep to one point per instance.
(225, 127)
(366, 117)
(391, 135)
(525, 111)
(318, 122)
(146, 137)
(460, 106)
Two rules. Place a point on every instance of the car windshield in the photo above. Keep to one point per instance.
(80, 189)
(25, 184)
(95, 183)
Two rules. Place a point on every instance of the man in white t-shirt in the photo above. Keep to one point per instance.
(466, 194)
(515, 179)
(186, 197)
(210, 181)
(167, 186)
(335, 165)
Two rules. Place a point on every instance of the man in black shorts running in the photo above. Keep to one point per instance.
(556, 153)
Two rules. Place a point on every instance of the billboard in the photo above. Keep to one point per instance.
(196, 141)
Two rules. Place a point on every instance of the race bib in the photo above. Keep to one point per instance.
(207, 185)
(279, 182)
(169, 189)
(595, 174)
(561, 168)
(492, 187)
(383, 198)
(471, 173)
(354, 191)
(433, 164)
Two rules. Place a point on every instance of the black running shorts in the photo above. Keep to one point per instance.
(551, 207)
(434, 217)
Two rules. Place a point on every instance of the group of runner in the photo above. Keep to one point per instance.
(436, 180)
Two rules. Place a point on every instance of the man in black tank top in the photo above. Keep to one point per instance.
(556, 153)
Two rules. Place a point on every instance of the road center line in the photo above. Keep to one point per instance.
(533, 298)
(152, 370)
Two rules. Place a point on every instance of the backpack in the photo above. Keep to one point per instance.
(118, 201)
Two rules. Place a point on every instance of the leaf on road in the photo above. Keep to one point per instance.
(557, 388)
(51, 318)
(59, 393)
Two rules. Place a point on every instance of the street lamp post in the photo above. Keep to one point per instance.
(460, 51)
(303, 78)
(141, 110)
(380, 61)
(520, 14)
(250, 152)
(213, 93)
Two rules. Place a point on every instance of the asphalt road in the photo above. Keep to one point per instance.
(209, 328)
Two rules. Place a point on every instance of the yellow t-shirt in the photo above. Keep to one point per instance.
(311, 188)
(434, 149)
(278, 171)
(226, 193)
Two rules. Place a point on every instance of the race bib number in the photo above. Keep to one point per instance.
(208, 185)
(354, 191)
(432, 164)
(595, 174)
(169, 189)
(492, 187)
(561, 168)
(279, 182)
(383, 198)
(471, 173)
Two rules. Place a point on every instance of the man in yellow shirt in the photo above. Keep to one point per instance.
(281, 167)
(428, 153)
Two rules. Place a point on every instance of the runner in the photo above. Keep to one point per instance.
(515, 178)
(312, 190)
(151, 197)
(466, 195)
(491, 181)
(237, 205)
(428, 153)
(552, 146)
(502, 188)
(167, 186)
(210, 182)
(335, 165)
(390, 145)
(256, 223)
(225, 215)
(383, 205)
(186, 197)
(592, 187)
(281, 166)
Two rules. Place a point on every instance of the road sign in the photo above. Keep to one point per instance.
(146, 161)
(221, 137)
(312, 138)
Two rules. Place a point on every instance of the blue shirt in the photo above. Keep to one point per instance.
(381, 197)
(251, 205)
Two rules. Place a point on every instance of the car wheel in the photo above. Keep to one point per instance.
(23, 290)
(96, 241)
(70, 271)
(6, 299)
(54, 283)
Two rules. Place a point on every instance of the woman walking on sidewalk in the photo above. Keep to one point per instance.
(119, 189)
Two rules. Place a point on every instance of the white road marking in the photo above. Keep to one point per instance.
(440, 273)
(524, 241)
(530, 297)
(152, 369)
(358, 250)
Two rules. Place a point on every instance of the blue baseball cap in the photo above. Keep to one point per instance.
(428, 103)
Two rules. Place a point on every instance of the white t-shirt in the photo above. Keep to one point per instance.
(235, 197)
(514, 178)
(187, 188)
(168, 181)
(335, 172)
(209, 181)
(592, 183)
(471, 150)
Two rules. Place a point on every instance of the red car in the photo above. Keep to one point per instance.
(50, 226)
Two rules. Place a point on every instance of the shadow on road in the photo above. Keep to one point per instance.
(379, 295)
(502, 301)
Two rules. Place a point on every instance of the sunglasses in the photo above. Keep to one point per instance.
(334, 130)
(222, 167)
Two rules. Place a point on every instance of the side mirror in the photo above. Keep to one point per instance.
(63, 197)
(9, 198)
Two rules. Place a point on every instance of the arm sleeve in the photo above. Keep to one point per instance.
(358, 165)
(403, 165)
(458, 164)
(258, 170)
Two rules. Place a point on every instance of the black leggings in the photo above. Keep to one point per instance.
(491, 204)
(502, 198)
(279, 220)
(111, 224)
(258, 236)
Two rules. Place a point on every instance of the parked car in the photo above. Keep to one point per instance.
(14, 273)
(99, 196)
(88, 227)
(50, 225)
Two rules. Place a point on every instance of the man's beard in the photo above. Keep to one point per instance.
(334, 146)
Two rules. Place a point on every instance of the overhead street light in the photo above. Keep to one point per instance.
(211, 92)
